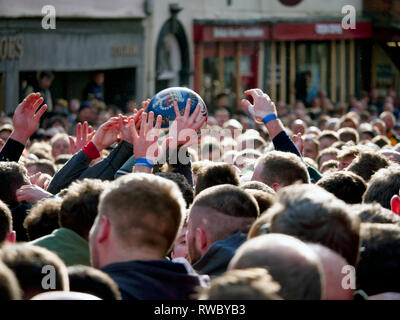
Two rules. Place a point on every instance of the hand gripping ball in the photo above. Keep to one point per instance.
(162, 104)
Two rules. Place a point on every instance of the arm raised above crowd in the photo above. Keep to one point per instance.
(25, 120)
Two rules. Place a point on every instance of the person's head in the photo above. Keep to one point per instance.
(216, 214)
(5, 131)
(86, 112)
(383, 185)
(98, 78)
(265, 200)
(381, 141)
(222, 115)
(348, 121)
(378, 269)
(216, 174)
(333, 266)
(311, 147)
(299, 126)
(79, 205)
(375, 213)
(290, 262)
(345, 185)
(43, 218)
(327, 138)
(346, 156)
(326, 155)
(140, 216)
(329, 166)
(257, 185)
(367, 163)
(180, 249)
(246, 284)
(12, 176)
(314, 215)
(348, 134)
(60, 145)
(389, 120)
(379, 126)
(183, 184)
(93, 281)
(41, 165)
(6, 225)
(279, 169)
(9, 286)
(37, 269)
(45, 79)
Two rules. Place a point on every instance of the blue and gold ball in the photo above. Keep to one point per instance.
(163, 104)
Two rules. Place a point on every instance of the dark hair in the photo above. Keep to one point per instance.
(348, 134)
(43, 165)
(375, 213)
(367, 163)
(6, 221)
(257, 185)
(346, 186)
(12, 177)
(228, 200)
(216, 174)
(312, 214)
(27, 262)
(79, 205)
(9, 286)
(43, 218)
(378, 269)
(265, 200)
(46, 74)
(381, 141)
(62, 158)
(383, 185)
(183, 184)
(93, 281)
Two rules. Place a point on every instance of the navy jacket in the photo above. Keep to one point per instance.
(153, 280)
(215, 261)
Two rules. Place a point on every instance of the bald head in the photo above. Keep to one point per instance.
(289, 261)
(332, 266)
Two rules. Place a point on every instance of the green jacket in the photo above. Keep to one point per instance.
(68, 245)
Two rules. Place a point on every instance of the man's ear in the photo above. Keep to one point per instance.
(395, 204)
(276, 186)
(201, 240)
(105, 228)
(11, 237)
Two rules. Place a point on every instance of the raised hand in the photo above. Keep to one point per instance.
(26, 117)
(145, 143)
(263, 105)
(84, 134)
(31, 193)
(107, 134)
(183, 130)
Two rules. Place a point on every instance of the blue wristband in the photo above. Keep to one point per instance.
(269, 117)
(143, 162)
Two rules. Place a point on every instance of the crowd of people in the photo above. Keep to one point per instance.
(270, 202)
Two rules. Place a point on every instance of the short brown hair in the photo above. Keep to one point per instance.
(79, 205)
(367, 163)
(329, 150)
(328, 134)
(9, 286)
(383, 186)
(381, 141)
(257, 185)
(283, 167)
(144, 209)
(315, 215)
(375, 213)
(345, 185)
(27, 262)
(244, 284)
(6, 221)
(265, 200)
(12, 177)
(348, 134)
(329, 166)
(216, 174)
(43, 218)
(43, 165)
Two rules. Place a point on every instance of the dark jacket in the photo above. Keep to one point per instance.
(153, 280)
(215, 261)
(11, 151)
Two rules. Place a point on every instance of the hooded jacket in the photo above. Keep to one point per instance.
(215, 261)
(154, 280)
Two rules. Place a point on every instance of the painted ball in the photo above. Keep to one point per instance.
(163, 104)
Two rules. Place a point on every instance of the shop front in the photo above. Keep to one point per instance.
(72, 51)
